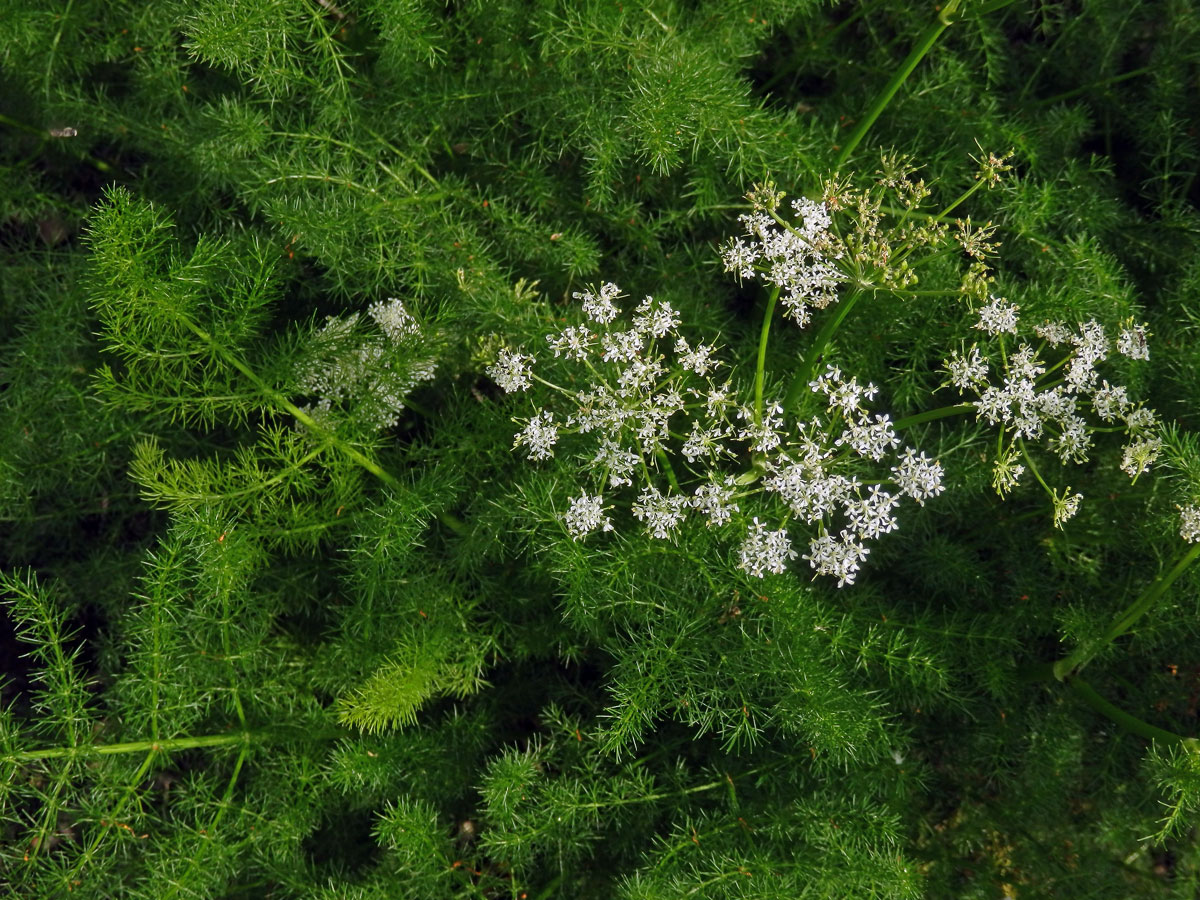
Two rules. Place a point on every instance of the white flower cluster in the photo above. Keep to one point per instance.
(653, 409)
(1032, 401)
(1189, 523)
(364, 376)
(798, 259)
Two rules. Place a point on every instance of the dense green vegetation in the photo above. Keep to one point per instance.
(364, 533)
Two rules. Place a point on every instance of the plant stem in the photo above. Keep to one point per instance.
(301, 416)
(820, 342)
(924, 44)
(962, 198)
(1131, 723)
(1083, 654)
(760, 367)
(184, 743)
(1046, 101)
(931, 414)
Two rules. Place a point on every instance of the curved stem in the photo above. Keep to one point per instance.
(932, 414)
(820, 342)
(1083, 654)
(924, 44)
(1131, 723)
(760, 367)
(301, 416)
(160, 746)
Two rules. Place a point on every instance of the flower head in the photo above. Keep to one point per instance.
(585, 515)
(511, 371)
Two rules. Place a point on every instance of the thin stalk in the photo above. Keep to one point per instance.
(1131, 723)
(820, 342)
(932, 414)
(962, 198)
(760, 366)
(1083, 654)
(301, 416)
(454, 523)
(924, 44)
(162, 746)
(1127, 721)
(1067, 95)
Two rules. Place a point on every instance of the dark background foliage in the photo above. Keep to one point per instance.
(236, 664)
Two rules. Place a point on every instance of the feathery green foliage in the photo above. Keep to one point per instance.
(352, 547)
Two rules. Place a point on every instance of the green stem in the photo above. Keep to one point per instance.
(301, 416)
(924, 44)
(929, 415)
(760, 367)
(665, 461)
(962, 198)
(1034, 469)
(817, 350)
(1131, 723)
(1083, 654)
(454, 523)
(184, 743)
(1067, 95)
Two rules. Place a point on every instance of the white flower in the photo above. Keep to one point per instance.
(739, 257)
(585, 516)
(600, 307)
(798, 260)
(698, 360)
(1141, 419)
(1189, 523)
(838, 557)
(571, 341)
(617, 462)
(998, 317)
(539, 435)
(815, 216)
(662, 515)
(1091, 343)
(511, 371)
(967, 372)
(918, 477)
(1110, 402)
(655, 318)
(869, 439)
(871, 516)
(393, 319)
(844, 395)
(765, 551)
(1053, 333)
(704, 442)
(1132, 342)
(716, 501)
(622, 346)
(1072, 445)
(1139, 455)
(1005, 473)
(1065, 506)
